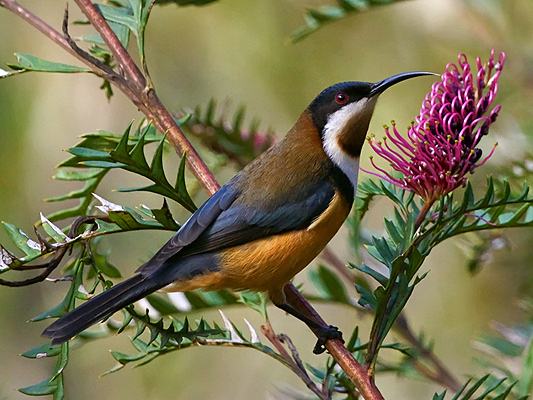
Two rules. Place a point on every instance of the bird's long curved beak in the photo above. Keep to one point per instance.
(381, 86)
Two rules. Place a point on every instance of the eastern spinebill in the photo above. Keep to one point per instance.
(268, 222)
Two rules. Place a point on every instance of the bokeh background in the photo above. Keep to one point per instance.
(237, 50)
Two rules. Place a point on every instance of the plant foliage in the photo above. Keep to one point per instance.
(384, 286)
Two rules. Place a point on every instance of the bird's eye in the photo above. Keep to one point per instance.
(341, 98)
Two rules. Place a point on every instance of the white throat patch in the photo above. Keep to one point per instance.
(336, 123)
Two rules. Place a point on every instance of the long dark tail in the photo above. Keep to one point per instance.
(97, 308)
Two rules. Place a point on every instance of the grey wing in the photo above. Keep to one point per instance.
(222, 223)
(193, 228)
(241, 224)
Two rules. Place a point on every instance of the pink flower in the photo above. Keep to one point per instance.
(440, 148)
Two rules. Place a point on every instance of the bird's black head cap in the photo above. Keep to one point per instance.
(336, 97)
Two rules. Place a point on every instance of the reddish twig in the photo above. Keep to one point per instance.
(360, 376)
(133, 84)
(160, 116)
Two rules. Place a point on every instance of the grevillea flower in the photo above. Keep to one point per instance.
(440, 147)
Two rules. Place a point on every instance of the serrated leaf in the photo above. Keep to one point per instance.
(164, 217)
(256, 301)
(393, 231)
(320, 17)
(367, 298)
(181, 187)
(121, 152)
(116, 368)
(137, 153)
(102, 164)
(470, 392)
(104, 266)
(52, 230)
(156, 166)
(489, 193)
(123, 358)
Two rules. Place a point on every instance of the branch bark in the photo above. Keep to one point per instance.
(360, 376)
(133, 84)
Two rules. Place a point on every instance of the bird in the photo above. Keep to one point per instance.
(268, 222)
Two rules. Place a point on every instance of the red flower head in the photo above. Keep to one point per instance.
(440, 148)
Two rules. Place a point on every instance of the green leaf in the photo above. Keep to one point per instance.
(256, 301)
(239, 145)
(329, 285)
(31, 63)
(367, 298)
(64, 174)
(102, 164)
(380, 278)
(157, 163)
(68, 302)
(181, 187)
(22, 241)
(137, 153)
(40, 389)
(101, 261)
(164, 217)
(53, 231)
(126, 358)
(393, 231)
(46, 350)
(89, 153)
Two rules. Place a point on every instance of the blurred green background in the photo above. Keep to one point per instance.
(238, 50)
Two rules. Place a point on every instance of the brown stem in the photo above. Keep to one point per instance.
(332, 259)
(359, 375)
(293, 362)
(441, 375)
(423, 213)
(132, 72)
(133, 85)
(156, 111)
(60, 40)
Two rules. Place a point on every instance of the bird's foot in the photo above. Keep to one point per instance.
(326, 333)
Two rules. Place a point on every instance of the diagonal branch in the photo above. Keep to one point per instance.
(360, 376)
(162, 119)
(132, 73)
(133, 85)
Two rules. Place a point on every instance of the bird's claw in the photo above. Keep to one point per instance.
(324, 334)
